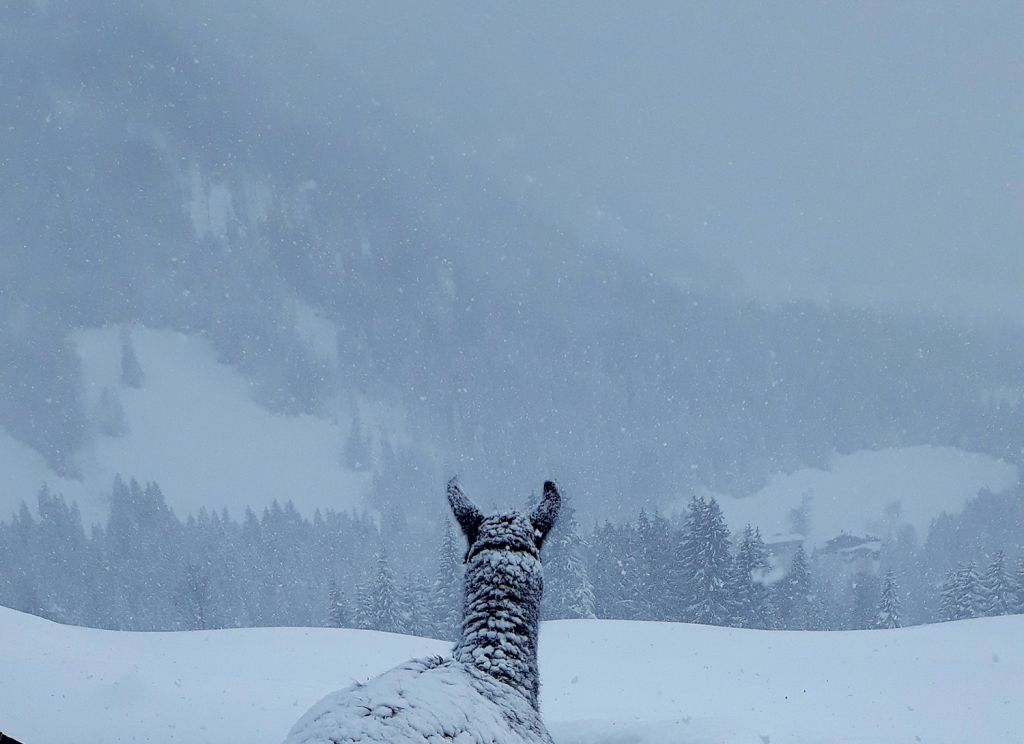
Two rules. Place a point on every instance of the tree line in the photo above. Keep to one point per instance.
(146, 569)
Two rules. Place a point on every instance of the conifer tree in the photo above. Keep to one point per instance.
(734, 586)
(568, 593)
(385, 613)
(662, 572)
(947, 597)
(1018, 605)
(337, 612)
(749, 567)
(864, 605)
(194, 597)
(969, 598)
(708, 566)
(414, 604)
(961, 595)
(794, 593)
(889, 606)
(649, 571)
(446, 593)
(364, 618)
(768, 616)
(818, 612)
(615, 570)
(684, 593)
(996, 589)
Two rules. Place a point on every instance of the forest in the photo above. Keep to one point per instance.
(146, 569)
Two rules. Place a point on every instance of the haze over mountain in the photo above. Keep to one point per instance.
(358, 256)
(863, 155)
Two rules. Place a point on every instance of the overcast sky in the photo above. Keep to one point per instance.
(867, 153)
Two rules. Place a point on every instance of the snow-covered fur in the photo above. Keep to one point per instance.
(487, 692)
(504, 584)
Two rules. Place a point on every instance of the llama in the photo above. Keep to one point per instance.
(487, 691)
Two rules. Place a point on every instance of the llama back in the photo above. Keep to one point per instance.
(488, 692)
(437, 700)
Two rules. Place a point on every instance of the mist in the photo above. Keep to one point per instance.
(294, 298)
(867, 155)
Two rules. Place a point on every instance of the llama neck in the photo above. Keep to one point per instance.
(501, 614)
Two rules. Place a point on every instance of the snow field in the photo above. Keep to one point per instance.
(194, 428)
(871, 491)
(604, 682)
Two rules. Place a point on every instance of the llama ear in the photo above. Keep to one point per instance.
(466, 514)
(544, 515)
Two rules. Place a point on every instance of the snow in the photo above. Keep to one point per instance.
(871, 491)
(427, 700)
(604, 682)
(194, 428)
(25, 471)
(319, 334)
(210, 206)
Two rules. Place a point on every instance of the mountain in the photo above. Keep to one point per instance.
(174, 167)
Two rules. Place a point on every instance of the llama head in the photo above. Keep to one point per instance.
(510, 532)
(503, 588)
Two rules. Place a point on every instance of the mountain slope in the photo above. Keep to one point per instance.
(177, 166)
(604, 681)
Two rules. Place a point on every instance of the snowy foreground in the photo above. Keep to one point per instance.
(604, 681)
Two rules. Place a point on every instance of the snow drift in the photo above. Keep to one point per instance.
(603, 681)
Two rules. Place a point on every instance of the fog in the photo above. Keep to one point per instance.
(865, 154)
(271, 274)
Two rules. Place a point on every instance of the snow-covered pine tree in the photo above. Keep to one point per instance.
(661, 571)
(969, 597)
(649, 572)
(446, 592)
(749, 567)
(768, 616)
(194, 597)
(685, 562)
(996, 589)
(737, 587)
(615, 572)
(337, 612)
(364, 617)
(568, 593)
(818, 612)
(709, 573)
(385, 612)
(889, 606)
(56, 551)
(1018, 605)
(414, 605)
(865, 599)
(947, 597)
(599, 567)
(793, 593)
(961, 594)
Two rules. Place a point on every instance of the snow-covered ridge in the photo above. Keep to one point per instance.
(868, 492)
(603, 682)
(194, 427)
